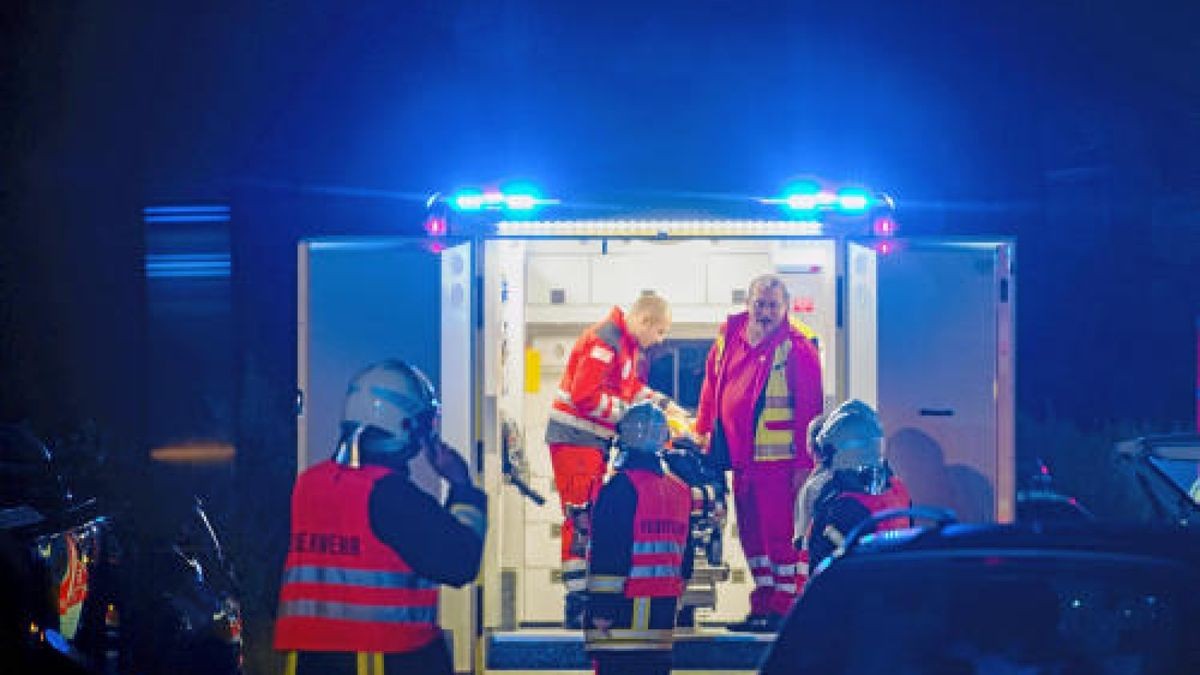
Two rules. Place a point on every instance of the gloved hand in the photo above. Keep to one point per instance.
(448, 463)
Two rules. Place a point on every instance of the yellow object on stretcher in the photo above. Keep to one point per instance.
(679, 426)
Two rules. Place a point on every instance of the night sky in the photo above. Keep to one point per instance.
(1073, 125)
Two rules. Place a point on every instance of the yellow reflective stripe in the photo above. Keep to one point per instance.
(379, 664)
(802, 328)
(289, 664)
(606, 583)
(641, 613)
(774, 444)
(360, 663)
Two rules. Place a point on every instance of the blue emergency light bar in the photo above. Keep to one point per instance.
(515, 199)
(809, 197)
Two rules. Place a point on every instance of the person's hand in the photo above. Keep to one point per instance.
(674, 410)
(448, 463)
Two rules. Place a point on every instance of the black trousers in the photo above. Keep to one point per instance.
(432, 659)
(632, 663)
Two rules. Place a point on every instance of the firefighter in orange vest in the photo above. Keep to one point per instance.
(858, 481)
(762, 385)
(639, 555)
(368, 547)
(601, 381)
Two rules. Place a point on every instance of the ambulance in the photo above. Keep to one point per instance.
(490, 301)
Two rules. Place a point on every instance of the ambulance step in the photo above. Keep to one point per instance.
(549, 649)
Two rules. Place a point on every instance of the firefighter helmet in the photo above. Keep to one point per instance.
(851, 440)
(643, 428)
(391, 407)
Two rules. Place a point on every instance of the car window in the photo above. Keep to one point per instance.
(1182, 472)
(994, 614)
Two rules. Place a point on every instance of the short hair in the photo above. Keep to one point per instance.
(766, 282)
(652, 306)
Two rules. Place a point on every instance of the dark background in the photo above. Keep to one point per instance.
(1074, 126)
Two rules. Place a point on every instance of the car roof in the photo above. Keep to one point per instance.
(1047, 537)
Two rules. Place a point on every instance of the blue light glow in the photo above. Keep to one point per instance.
(853, 200)
(519, 197)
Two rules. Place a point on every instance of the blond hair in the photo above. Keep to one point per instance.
(651, 306)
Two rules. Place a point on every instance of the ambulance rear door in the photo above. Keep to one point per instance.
(930, 340)
(365, 299)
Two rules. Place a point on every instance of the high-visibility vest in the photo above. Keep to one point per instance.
(896, 496)
(660, 530)
(649, 593)
(343, 589)
(774, 432)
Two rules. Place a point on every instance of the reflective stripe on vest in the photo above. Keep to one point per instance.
(660, 528)
(343, 589)
(774, 435)
(345, 611)
(309, 574)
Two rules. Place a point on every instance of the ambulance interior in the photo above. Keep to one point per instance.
(539, 295)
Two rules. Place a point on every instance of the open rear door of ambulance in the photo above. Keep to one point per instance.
(365, 299)
(930, 333)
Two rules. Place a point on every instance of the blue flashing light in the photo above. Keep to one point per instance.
(853, 200)
(520, 202)
(802, 196)
(467, 200)
(522, 198)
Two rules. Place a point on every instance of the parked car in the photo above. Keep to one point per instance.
(1053, 596)
(1167, 469)
(89, 588)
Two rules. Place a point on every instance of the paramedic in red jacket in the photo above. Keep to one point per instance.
(640, 553)
(762, 385)
(368, 547)
(600, 383)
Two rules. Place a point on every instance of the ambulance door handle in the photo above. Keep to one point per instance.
(937, 412)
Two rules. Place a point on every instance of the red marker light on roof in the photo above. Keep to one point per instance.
(435, 226)
(884, 247)
(884, 226)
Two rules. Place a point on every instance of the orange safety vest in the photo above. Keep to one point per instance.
(343, 589)
(660, 530)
